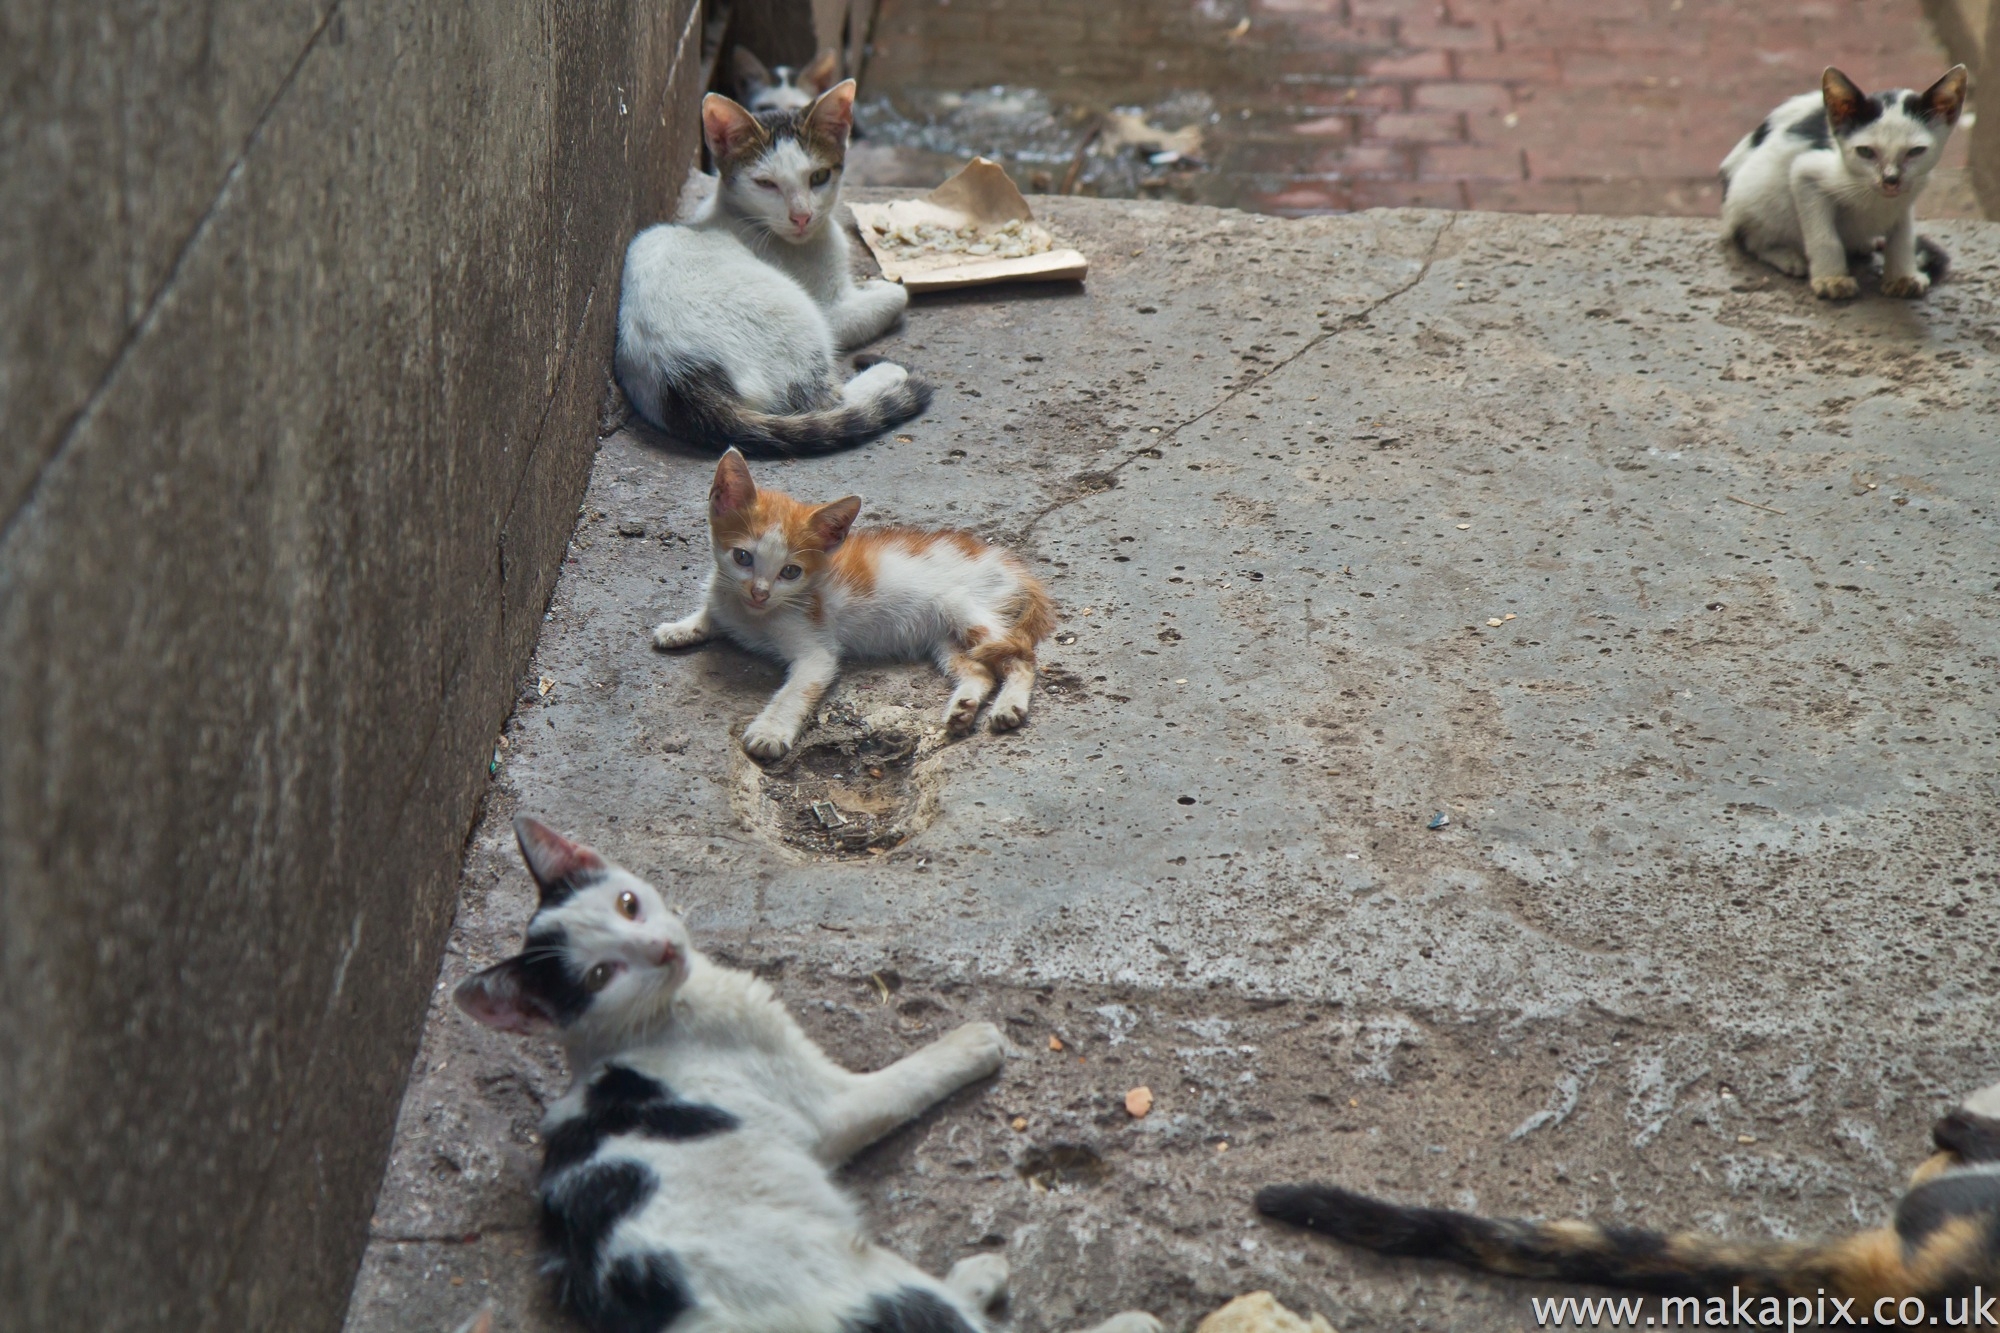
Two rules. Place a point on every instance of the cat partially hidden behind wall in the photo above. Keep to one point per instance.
(687, 1173)
(783, 88)
(1831, 176)
(730, 325)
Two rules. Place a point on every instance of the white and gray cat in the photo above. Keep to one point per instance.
(1836, 173)
(730, 325)
(783, 88)
(686, 1173)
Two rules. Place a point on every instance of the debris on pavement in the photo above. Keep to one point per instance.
(1138, 1102)
(828, 814)
(1438, 820)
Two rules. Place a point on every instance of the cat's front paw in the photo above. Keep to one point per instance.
(983, 1046)
(1909, 286)
(679, 634)
(766, 740)
(1840, 287)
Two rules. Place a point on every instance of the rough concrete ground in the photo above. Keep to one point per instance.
(1707, 941)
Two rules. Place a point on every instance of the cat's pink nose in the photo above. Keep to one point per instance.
(668, 953)
(800, 220)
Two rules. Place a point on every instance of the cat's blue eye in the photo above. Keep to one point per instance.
(1865, 152)
(599, 977)
(822, 176)
(742, 557)
(790, 572)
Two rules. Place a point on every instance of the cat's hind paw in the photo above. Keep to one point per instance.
(1909, 286)
(1838, 287)
(1007, 714)
(960, 712)
(979, 1279)
(766, 740)
(1791, 263)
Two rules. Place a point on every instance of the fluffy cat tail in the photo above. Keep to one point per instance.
(1932, 261)
(701, 405)
(1683, 1264)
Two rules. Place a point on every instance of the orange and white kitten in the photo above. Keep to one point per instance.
(792, 581)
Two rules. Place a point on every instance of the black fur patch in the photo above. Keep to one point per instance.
(637, 1295)
(1931, 1205)
(1812, 128)
(621, 1100)
(578, 1213)
(1761, 133)
(1975, 1138)
(909, 1310)
(544, 973)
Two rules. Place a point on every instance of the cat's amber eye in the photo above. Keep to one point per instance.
(1865, 152)
(822, 176)
(597, 978)
(628, 905)
(790, 572)
(742, 557)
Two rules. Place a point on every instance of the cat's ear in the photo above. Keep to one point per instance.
(751, 76)
(498, 998)
(822, 73)
(559, 866)
(832, 116)
(1843, 99)
(729, 129)
(1944, 99)
(732, 491)
(829, 523)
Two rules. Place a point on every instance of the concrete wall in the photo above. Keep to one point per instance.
(303, 338)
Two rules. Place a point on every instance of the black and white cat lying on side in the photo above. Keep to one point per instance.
(1836, 173)
(686, 1177)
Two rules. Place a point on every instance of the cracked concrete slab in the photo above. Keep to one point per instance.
(1672, 588)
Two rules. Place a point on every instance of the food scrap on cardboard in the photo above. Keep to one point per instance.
(975, 228)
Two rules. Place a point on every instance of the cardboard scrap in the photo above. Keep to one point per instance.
(1259, 1312)
(980, 196)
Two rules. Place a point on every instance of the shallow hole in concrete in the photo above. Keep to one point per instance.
(1063, 1164)
(855, 788)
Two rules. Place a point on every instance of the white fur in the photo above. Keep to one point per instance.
(1985, 1102)
(921, 606)
(765, 1240)
(1804, 210)
(742, 286)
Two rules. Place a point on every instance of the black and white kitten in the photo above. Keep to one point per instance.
(783, 88)
(1837, 173)
(686, 1173)
(730, 325)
